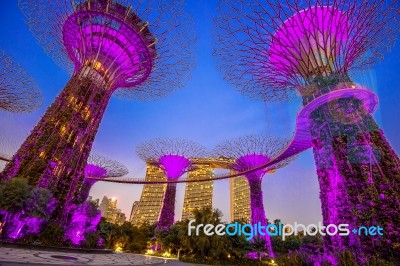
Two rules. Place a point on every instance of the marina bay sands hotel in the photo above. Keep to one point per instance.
(197, 194)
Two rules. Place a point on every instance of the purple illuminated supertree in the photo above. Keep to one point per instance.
(18, 92)
(143, 48)
(173, 156)
(271, 49)
(98, 167)
(250, 152)
(84, 219)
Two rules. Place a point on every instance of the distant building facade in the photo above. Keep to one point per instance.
(240, 199)
(109, 211)
(198, 194)
(135, 205)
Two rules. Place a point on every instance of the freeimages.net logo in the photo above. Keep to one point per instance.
(283, 230)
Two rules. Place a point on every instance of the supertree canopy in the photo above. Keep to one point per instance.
(173, 156)
(272, 48)
(98, 167)
(252, 152)
(18, 91)
(143, 48)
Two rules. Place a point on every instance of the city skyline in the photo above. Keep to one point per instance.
(206, 110)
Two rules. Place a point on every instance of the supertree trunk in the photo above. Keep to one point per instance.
(168, 208)
(359, 177)
(83, 192)
(55, 153)
(257, 207)
(333, 195)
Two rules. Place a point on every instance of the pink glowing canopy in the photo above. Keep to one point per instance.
(174, 165)
(250, 161)
(121, 50)
(92, 170)
(310, 39)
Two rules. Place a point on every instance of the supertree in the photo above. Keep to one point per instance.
(143, 48)
(18, 91)
(271, 49)
(99, 167)
(251, 152)
(173, 156)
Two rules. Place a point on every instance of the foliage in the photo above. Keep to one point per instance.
(25, 208)
(130, 238)
(40, 203)
(216, 247)
(17, 196)
(91, 240)
(13, 194)
(84, 218)
(227, 261)
(109, 232)
(52, 235)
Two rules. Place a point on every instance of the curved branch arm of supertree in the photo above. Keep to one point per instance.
(18, 91)
(97, 168)
(157, 37)
(110, 168)
(159, 147)
(271, 48)
(172, 155)
(4, 157)
(253, 151)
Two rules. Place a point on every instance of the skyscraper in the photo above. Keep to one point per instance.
(240, 199)
(135, 204)
(109, 211)
(149, 207)
(198, 194)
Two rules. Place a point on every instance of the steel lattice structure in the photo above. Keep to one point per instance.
(158, 147)
(270, 147)
(18, 91)
(260, 52)
(111, 168)
(98, 167)
(159, 30)
(142, 49)
(173, 156)
(251, 152)
(271, 49)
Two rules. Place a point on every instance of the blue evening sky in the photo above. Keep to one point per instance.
(207, 110)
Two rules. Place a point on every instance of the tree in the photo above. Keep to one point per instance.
(13, 194)
(214, 246)
(109, 232)
(25, 208)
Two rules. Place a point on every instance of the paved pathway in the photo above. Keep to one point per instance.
(20, 257)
